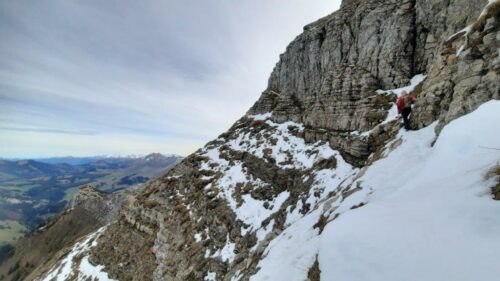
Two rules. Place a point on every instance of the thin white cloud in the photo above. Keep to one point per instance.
(173, 74)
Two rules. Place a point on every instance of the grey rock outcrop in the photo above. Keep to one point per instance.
(465, 72)
(345, 2)
(105, 207)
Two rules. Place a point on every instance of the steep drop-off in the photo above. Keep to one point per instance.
(89, 210)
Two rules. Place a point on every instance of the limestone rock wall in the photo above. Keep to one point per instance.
(328, 76)
(435, 21)
(465, 71)
(327, 73)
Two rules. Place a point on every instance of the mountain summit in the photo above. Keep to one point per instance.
(318, 181)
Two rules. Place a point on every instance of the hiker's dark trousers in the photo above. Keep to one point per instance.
(406, 113)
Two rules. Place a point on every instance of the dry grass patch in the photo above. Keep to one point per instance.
(314, 273)
(495, 173)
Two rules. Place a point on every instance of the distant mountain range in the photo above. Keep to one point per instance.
(32, 190)
(76, 160)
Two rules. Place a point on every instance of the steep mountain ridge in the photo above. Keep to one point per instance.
(89, 210)
(254, 203)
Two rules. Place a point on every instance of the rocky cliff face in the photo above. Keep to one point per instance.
(464, 69)
(329, 75)
(327, 113)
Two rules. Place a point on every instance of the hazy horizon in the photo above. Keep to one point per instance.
(91, 156)
(122, 77)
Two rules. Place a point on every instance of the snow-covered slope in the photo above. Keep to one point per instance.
(429, 213)
(318, 181)
(76, 265)
(422, 212)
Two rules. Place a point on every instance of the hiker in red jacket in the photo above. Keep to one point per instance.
(404, 103)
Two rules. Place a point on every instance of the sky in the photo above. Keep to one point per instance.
(122, 77)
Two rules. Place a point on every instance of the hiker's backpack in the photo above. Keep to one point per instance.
(407, 101)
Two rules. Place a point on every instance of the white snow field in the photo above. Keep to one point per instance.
(429, 213)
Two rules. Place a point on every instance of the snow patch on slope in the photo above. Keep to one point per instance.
(211, 276)
(252, 212)
(414, 82)
(289, 256)
(280, 145)
(393, 112)
(76, 264)
(289, 151)
(249, 210)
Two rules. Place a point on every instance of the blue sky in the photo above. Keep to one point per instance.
(133, 77)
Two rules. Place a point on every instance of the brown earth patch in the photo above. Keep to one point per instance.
(314, 273)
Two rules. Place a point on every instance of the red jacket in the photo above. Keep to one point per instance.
(400, 103)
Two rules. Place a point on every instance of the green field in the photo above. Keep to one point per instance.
(32, 191)
(10, 230)
(70, 192)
